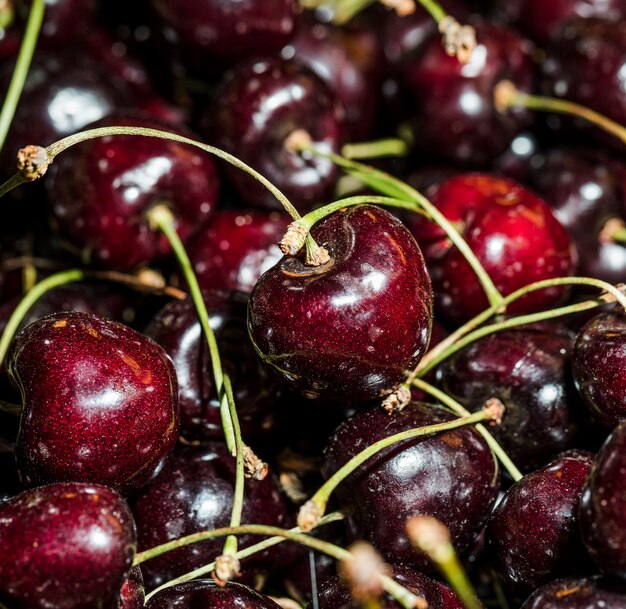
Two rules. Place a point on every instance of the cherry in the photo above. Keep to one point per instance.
(132, 594)
(235, 248)
(582, 593)
(177, 329)
(204, 593)
(452, 476)
(603, 506)
(100, 402)
(101, 190)
(10, 484)
(533, 532)
(193, 493)
(512, 232)
(455, 116)
(334, 594)
(67, 545)
(346, 330)
(597, 362)
(528, 370)
(256, 108)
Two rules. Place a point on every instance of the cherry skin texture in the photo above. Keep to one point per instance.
(204, 593)
(603, 506)
(452, 476)
(346, 330)
(455, 116)
(101, 191)
(598, 366)
(533, 532)
(66, 545)
(528, 370)
(177, 329)
(132, 594)
(100, 402)
(583, 593)
(334, 594)
(512, 232)
(256, 108)
(193, 493)
(236, 247)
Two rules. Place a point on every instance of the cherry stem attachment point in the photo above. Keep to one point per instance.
(506, 95)
(20, 72)
(315, 507)
(7, 14)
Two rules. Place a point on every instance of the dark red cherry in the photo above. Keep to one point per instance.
(528, 369)
(177, 329)
(256, 108)
(101, 191)
(583, 593)
(204, 593)
(346, 330)
(100, 402)
(452, 476)
(66, 545)
(455, 116)
(533, 532)
(10, 483)
(513, 234)
(598, 365)
(132, 594)
(541, 20)
(334, 594)
(603, 506)
(348, 59)
(236, 247)
(193, 493)
(587, 56)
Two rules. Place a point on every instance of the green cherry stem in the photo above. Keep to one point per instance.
(7, 14)
(464, 335)
(392, 187)
(315, 507)
(161, 218)
(453, 405)
(24, 58)
(375, 150)
(507, 95)
(405, 597)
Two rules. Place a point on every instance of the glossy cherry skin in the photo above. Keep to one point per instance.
(348, 59)
(512, 232)
(346, 330)
(452, 476)
(455, 116)
(533, 532)
(204, 593)
(101, 191)
(256, 108)
(334, 594)
(236, 247)
(603, 506)
(583, 189)
(100, 402)
(193, 493)
(598, 366)
(528, 370)
(587, 56)
(583, 593)
(132, 594)
(66, 545)
(177, 329)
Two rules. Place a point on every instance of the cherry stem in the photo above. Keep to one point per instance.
(7, 14)
(392, 187)
(507, 95)
(315, 507)
(619, 236)
(453, 405)
(161, 217)
(377, 149)
(464, 335)
(22, 65)
(432, 537)
(405, 597)
(12, 409)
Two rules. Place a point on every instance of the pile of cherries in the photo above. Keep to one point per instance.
(479, 270)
